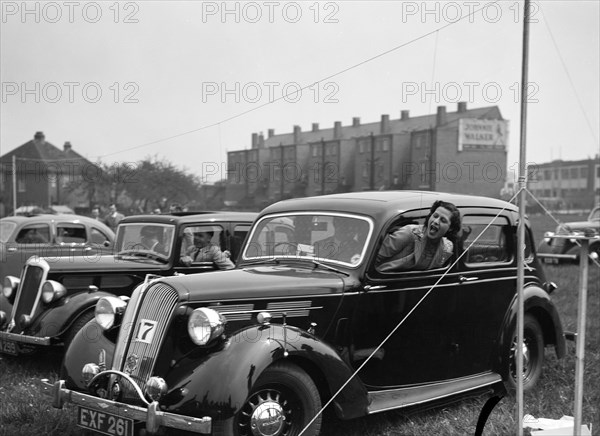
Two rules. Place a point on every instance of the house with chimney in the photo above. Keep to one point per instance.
(45, 175)
(464, 151)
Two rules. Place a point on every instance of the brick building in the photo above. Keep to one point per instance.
(463, 151)
(566, 184)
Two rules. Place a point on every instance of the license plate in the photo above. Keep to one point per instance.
(105, 423)
(8, 347)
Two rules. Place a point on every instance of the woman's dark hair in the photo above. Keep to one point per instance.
(454, 218)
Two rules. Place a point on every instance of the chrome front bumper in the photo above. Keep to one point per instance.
(152, 416)
(24, 339)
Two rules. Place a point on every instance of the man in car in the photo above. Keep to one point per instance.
(151, 238)
(203, 250)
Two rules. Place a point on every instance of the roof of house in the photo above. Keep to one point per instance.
(41, 150)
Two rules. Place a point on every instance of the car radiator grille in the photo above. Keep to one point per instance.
(28, 294)
(149, 328)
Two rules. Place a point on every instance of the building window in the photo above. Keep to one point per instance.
(564, 173)
(575, 173)
(21, 184)
(583, 172)
(315, 151)
(547, 174)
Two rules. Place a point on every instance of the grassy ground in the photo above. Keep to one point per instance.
(24, 412)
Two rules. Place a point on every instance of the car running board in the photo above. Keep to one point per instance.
(381, 401)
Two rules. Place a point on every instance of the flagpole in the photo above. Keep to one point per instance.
(521, 224)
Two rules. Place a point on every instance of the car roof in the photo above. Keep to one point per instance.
(47, 217)
(383, 203)
(191, 218)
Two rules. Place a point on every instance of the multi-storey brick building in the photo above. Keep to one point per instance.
(573, 184)
(463, 151)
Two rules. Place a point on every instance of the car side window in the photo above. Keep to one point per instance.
(34, 234)
(70, 234)
(486, 240)
(201, 242)
(240, 231)
(98, 237)
(401, 250)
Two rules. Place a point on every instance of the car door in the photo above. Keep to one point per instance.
(32, 239)
(488, 274)
(72, 239)
(422, 349)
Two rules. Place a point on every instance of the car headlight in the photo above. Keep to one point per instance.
(52, 291)
(205, 324)
(107, 310)
(10, 285)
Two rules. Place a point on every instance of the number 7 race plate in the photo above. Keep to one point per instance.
(105, 423)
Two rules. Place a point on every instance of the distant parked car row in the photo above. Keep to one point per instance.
(555, 249)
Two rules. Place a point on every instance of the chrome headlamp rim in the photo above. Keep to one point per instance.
(107, 310)
(52, 291)
(205, 325)
(10, 285)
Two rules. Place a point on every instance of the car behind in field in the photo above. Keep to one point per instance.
(53, 298)
(555, 249)
(50, 236)
(258, 350)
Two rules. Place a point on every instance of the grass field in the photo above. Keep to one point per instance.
(24, 412)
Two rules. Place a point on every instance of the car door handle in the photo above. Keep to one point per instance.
(374, 288)
(11, 249)
(463, 279)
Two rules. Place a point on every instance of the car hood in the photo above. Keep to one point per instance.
(260, 282)
(101, 263)
(582, 225)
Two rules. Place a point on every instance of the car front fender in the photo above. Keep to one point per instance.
(218, 383)
(90, 345)
(57, 318)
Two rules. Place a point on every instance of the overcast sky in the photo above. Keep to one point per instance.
(189, 81)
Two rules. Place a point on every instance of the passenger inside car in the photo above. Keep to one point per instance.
(346, 243)
(30, 236)
(415, 247)
(203, 250)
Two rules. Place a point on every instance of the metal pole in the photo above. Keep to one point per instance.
(14, 184)
(521, 225)
(580, 344)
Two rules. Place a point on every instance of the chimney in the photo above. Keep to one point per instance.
(67, 147)
(297, 131)
(255, 140)
(462, 106)
(261, 140)
(271, 133)
(404, 115)
(441, 116)
(385, 123)
(315, 127)
(337, 130)
(355, 122)
(39, 137)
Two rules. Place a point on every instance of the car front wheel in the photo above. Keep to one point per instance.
(283, 402)
(533, 354)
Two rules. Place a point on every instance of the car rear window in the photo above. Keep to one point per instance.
(6, 229)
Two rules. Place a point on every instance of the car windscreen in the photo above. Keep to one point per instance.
(335, 238)
(6, 229)
(145, 238)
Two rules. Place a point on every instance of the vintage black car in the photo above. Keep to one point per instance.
(50, 236)
(55, 297)
(557, 246)
(260, 349)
